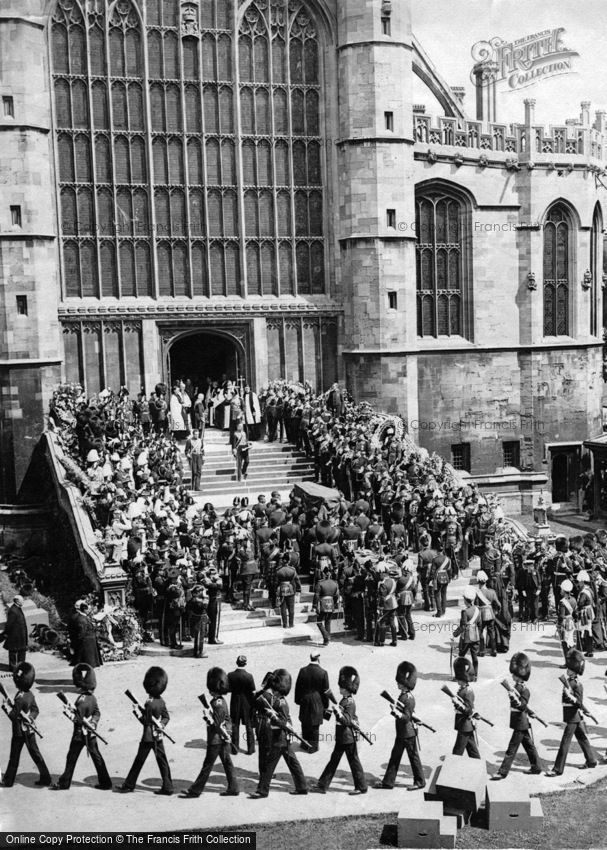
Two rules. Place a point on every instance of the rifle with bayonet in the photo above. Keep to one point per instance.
(574, 700)
(8, 705)
(139, 712)
(209, 719)
(397, 710)
(460, 704)
(265, 706)
(71, 712)
(516, 701)
(339, 715)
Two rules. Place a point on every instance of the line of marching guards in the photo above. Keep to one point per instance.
(268, 709)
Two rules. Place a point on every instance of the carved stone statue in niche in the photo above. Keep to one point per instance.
(189, 19)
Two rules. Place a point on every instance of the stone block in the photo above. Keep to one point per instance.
(462, 782)
(511, 808)
(425, 825)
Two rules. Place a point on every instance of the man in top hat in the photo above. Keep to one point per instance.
(24, 703)
(345, 736)
(15, 633)
(572, 700)
(87, 708)
(310, 695)
(406, 731)
(242, 689)
(520, 668)
(155, 682)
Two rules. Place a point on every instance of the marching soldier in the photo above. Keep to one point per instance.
(520, 668)
(573, 711)
(219, 737)
(280, 744)
(155, 712)
(464, 711)
(345, 735)
(406, 731)
(87, 708)
(24, 703)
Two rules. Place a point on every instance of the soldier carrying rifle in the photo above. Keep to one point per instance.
(22, 711)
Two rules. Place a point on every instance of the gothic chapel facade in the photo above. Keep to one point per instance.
(247, 187)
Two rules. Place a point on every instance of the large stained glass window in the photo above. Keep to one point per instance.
(443, 262)
(556, 271)
(188, 141)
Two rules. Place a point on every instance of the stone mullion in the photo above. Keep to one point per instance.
(434, 275)
(102, 353)
(113, 158)
(237, 88)
(290, 159)
(205, 239)
(272, 188)
(149, 150)
(186, 182)
(122, 352)
(93, 184)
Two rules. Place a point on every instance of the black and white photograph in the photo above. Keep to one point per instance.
(303, 327)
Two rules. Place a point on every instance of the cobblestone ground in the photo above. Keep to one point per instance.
(84, 808)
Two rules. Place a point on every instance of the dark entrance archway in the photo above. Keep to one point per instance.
(203, 355)
(565, 471)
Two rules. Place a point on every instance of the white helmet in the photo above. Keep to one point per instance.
(469, 593)
(566, 586)
(583, 576)
(481, 576)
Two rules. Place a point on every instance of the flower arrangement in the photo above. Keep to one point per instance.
(119, 633)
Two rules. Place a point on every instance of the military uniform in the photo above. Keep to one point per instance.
(406, 739)
(326, 599)
(217, 748)
(345, 742)
(152, 739)
(574, 726)
(280, 747)
(519, 719)
(24, 701)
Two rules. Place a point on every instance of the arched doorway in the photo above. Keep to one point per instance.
(201, 355)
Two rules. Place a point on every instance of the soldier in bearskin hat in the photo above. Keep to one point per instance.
(520, 668)
(280, 743)
(406, 731)
(87, 708)
(572, 702)
(24, 702)
(464, 711)
(345, 735)
(154, 683)
(218, 731)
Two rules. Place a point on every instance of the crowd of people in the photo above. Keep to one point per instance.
(399, 527)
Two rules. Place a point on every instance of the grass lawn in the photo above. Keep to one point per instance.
(572, 819)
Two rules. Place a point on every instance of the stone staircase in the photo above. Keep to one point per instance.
(273, 466)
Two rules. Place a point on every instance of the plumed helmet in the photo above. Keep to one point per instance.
(469, 593)
(583, 576)
(349, 679)
(217, 681)
(566, 586)
(520, 666)
(462, 670)
(24, 676)
(481, 576)
(83, 676)
(406, 674)
(155, 681)
(281, 681)
(575, 661)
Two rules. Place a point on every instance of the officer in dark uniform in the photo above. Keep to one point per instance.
(24, 702)
(573, 698)
(424, 567)
(406, 731)
(464, 711)
(83, 677)
(345, 736)
(198, 618)
(242, 688)
(214, 588)
(154, 683)
(217, 747)
(288, 586)
(520, 668)
(310, 695)
(326, 600)
(280, 745)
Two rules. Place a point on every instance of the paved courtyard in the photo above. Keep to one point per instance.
(84, 808)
